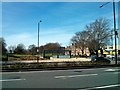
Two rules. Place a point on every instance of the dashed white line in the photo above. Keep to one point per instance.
(112, 70)
(25, 72)
(71, 76)
(11, 80)
(101, 87)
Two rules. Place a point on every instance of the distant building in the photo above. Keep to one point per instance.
(111, 49)
(77, 51)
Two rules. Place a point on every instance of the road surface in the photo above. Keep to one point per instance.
(77, 79)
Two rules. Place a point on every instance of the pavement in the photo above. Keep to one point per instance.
(50, 60)
(75, 79)
(70, 59)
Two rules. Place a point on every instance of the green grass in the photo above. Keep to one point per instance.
(4, 58)
(21, 55)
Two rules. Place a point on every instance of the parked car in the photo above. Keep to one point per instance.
(110, 56)
(93, 57)
(101, 60)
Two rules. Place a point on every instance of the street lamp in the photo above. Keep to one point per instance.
(114, 29)
(38, 40)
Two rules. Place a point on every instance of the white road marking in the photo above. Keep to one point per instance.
(71, 70)
(101, 87)
(71, 76)
(36, 71)
(50, 71)
(24, 72)
(11, 80)
(110, 70)
(43, 71)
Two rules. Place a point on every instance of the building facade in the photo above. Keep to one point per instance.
(77, 51)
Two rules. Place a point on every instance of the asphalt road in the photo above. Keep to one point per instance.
(78, 79)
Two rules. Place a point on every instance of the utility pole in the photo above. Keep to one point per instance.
(114, 28)
(115, 32)
(38, 41)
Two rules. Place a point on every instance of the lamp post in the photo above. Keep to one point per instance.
(114, 29)
(115, 32)
(38, 40)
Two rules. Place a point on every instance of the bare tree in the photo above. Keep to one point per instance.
(95, 36)
(80, 40)
(52, 46)
(32, 49)
(20, 49)
(99, 33)
(11, 49)
(3, 46)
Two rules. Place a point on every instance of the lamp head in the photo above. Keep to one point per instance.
(101, 6)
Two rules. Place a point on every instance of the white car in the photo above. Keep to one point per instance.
(110, 56)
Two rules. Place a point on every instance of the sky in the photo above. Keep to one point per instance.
(60, 20)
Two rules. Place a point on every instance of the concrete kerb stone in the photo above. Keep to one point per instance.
(69, 59)
(51, 60)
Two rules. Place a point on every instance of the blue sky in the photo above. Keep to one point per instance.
(60, 20)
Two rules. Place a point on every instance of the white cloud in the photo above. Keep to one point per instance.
(61, 38)
(24, 38)
(51, 35)
(60, 35)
